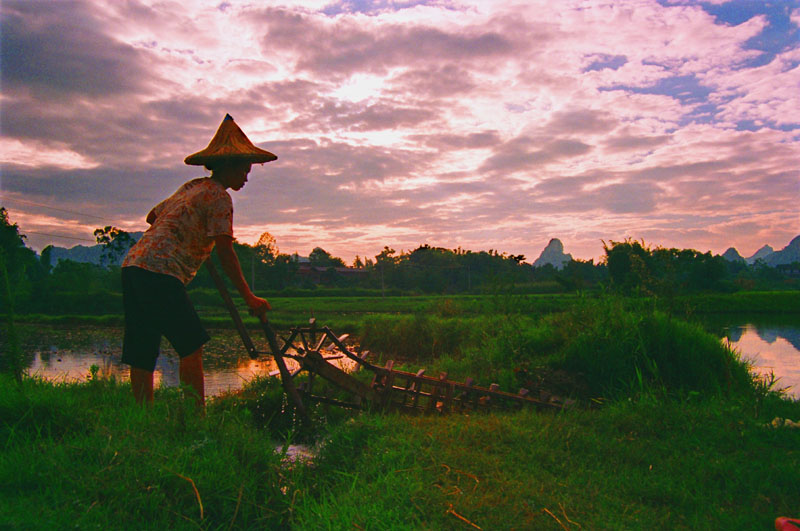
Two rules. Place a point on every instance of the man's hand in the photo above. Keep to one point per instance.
(259, 307)
(230, 264)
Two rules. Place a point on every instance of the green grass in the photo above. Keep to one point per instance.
(347, 314)
(621, 352)
(750, 302)
(341, 314)
(629, 466)
(422, 336)
(87, 456)
(609, 349)
(682, 442)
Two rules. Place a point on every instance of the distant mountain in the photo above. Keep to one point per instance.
(787, 255)
(732, 255)
(89, 254)
(79, 253)
(761, 253)
(553, 254)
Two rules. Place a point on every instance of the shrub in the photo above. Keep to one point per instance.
(619, 351)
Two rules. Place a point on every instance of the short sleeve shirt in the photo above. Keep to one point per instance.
(182, 236)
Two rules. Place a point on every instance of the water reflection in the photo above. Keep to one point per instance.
(771, 348)
(66, 354)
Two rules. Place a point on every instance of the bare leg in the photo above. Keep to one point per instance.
(142, 384)
(191, 375)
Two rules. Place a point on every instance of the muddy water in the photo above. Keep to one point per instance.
(68, 352)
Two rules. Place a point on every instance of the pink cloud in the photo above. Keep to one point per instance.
(476, 125)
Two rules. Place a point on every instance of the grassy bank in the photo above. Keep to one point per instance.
(683, 439)
(629, 466)
(86, 456)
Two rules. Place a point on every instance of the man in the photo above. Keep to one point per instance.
(184, 228)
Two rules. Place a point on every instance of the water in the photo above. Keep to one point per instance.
(771, 348)
(66, 353)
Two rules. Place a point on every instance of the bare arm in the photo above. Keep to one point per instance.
(232, 268)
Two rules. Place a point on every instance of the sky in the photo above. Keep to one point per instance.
(473, 124)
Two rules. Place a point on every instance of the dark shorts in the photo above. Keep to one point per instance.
(157, 305)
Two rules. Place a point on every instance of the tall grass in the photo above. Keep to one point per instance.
(86, 456)
(620, 352)
(610, 349)
(420, 336)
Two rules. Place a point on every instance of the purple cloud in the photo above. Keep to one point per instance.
(415, 122)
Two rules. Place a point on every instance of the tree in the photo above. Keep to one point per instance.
(267, 248)
(635, 268)
(579, 274)
(628, 268)
(385, 263)
(17, 265)
(115, 242)
(79, 277)
(319, 257)
(46, 258)
(433, 269)
(19, 262)
(12, 245)
(283, 271)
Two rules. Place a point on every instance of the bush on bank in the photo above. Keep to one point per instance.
(621, 352)
(611, 349)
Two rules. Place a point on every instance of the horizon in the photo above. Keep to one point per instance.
(454, 124)
(528, 259)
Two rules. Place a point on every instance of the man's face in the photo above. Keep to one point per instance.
(235, 175)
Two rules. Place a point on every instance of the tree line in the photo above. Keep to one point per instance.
(31, 283)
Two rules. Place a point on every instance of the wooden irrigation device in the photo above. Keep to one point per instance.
(314, 349)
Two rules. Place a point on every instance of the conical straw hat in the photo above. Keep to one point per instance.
(230, 142)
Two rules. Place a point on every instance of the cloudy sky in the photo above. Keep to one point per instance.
(479, 124)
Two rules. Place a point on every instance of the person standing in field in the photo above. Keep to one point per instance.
(184, 228)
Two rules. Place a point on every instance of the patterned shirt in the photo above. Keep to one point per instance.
(182, 236)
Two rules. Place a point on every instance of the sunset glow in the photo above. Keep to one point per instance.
(457, 124)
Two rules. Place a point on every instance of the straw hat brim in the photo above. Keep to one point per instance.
(229, 143)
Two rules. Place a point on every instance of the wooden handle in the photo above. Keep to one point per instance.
(237, 319)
